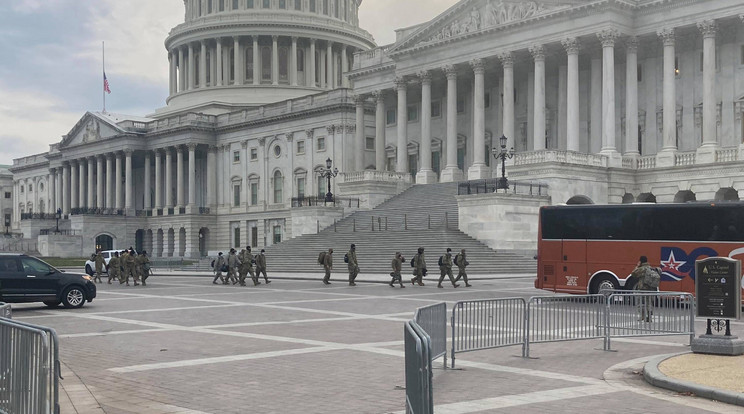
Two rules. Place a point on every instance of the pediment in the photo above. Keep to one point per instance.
(472, 16)
(89, 129)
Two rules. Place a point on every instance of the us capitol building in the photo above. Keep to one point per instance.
(606, 101)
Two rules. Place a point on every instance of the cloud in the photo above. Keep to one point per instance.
(382, 17)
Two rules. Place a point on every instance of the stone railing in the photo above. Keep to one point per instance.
(372, 57)
(727, 154)
(370, 175)
(684, 158)
(647, 162)
(568, 157)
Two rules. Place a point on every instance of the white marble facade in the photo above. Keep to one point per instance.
(609, 101)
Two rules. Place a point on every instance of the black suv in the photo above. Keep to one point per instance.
(27, 279)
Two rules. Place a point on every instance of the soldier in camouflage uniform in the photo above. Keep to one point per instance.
(462, 262)
(114, 267)
(419, 264)
(643, 303)
(142, 266)
(100, 264)
(132, 266)
(446, 269)
(232, 267)
(397, 265)
(242, 268)
(353, 267)
(219, 262)
(261, 267)
(328, 266)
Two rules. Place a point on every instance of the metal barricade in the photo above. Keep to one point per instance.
(564, 318)
(5, 311)
(29, 368)
(433, 320)
(646, 313)
(489, 323)
(419, 390)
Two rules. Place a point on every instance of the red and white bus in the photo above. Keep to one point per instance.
(586, 248)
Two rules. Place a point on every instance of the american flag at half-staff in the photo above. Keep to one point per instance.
(106, 84)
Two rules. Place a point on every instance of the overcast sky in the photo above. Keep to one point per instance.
(50, 71)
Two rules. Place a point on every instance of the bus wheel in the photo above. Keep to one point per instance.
(603, 282)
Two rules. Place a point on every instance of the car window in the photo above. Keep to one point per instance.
(8, 264)
(32, 265)
(106, 255)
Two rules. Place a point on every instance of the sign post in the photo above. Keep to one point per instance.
(718, 294)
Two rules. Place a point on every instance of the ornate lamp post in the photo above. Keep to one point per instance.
(328, 173)
(503, 154)
(57, 216)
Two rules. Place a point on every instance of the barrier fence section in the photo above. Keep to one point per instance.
(419, 390)
(5, 311)
(433, 320)
(564, 318)
(488, 323)
(29, 369)
(646, 313)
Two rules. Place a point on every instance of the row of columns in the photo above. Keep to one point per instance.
(183, 64)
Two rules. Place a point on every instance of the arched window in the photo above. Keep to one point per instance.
(278, 187)
(266, 63)
(249, 63)
(283, 64)
(231, 65)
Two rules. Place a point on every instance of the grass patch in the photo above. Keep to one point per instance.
(65, 262)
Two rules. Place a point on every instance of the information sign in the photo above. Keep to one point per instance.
(718, 288)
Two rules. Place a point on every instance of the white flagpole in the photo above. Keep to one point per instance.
(103, 50)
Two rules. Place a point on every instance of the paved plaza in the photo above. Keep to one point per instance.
(184, 345)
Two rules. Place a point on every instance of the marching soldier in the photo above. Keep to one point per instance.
(462, 262)
(242, 268)
(397, 267)
(328, 266)
(132, 267)
(232, 267)
(353, 268)
(419, 264)
(446, 269)
(142, 264)
(114, 268)
(100, 263)
(249, 262)
(219, 263)
(261, 267)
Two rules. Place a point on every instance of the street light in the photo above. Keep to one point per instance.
(503, 154)
(57, 216)
(328, 173)
(7, 224)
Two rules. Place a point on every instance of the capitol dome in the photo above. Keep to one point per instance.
(230, 54)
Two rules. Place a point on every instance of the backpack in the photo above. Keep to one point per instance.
(456, 259)
(212, 264)
(413, 261)
(346, 258)
(321, 257)
(651, 278)
(441, 261)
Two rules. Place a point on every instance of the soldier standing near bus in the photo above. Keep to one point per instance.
(639, 275)
(462, 262)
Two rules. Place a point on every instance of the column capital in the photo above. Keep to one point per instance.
(128, 152)
(631, 44)
(148, 155)
(262, 141)
(309, 133)
(289, 136)
(52, 170)
(102, 157)
(274, 38)
(313, 41)
(191, 146)
(244, 144)
(330, 129)
(110, 155)
(478, 66)
(226, 147)
(572, 45)
(179, 149)
(379, 95)
(607, 37)
(329, 44)
(450, 71)
(91, 159)
(236, 39)
(350, 129)
(294, 39)
(358, 100)
(667, 36)
(425, 77)
(213, 149)
(507, 59)
(400, 83)
(708, 28)
(537, 52)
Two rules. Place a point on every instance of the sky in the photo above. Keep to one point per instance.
(50, 71)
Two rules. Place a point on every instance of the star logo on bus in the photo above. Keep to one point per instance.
(672, 263)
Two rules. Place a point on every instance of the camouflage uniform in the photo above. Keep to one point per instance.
(219, 262)
(419, 264)
(261, 267)
(132, 268)
(232, 266)
(446, 269)
(114, 268)
(397, 265)
(353, 267)
(643, 303)
(328, 265)
(124, 268)
(462, 263)
(140, 272)
(100, 263)
(242, 268)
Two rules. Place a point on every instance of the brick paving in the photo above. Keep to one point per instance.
(184, 345)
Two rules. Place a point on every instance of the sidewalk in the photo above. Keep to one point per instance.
(715, 377)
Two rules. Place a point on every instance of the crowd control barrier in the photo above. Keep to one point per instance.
(5, 311)
(419, 391)
(433, 320)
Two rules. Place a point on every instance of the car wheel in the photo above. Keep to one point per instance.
(603, 282)
(51, 303)
(73, 297)
(88, 270)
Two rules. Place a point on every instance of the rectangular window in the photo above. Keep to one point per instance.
(266, 4)
(300, 147)
(250, 4)
(412, 113)
(254, 194)
(209, 7)
(325, 7)
(390, 117)
(277, 234)
(30, 188)
(312, 6)
(298, 4)
(301, 187)
(235, 4)
(370, 143)
(236, 156)
(321, 144)
(7, 195)
(460, 105)
(236, 195)
(640, 73)
(254, 154)
(236, 237)
(436, 109)
(222, 5)
(487, 100)
(322, 187)
(282, 4)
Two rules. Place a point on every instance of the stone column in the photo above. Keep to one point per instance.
(274, 60)
(538, 54)
(65, 189)
(666, 157)
(82, 195)
(100, 197)
(329, 65)
(171, 73)
(344, 67)
(117, 182)
(148, 182)
(179, 177)
(192, 176)
(402, 87)
(359, 145)
(51, 191)
(256, 66)
(212, 177)
(181, 71)
(236, 66)
(425, 174)
(74, 184)
(110, 181)
(203, 65)
(607, 39)
(218, 63)
(572, 47)
(168, 187)
(311, 70)
(631, 97)
(479, 170)
(90, 202)
(293, 62)
(380, 131)
(192, 67)
(451, 171)
(707, 152)
(129, 182)
(507, 61)
(158, 179)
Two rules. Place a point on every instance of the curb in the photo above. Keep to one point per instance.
(655, 377)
